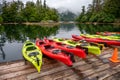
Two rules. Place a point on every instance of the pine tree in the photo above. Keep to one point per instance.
(44, 4)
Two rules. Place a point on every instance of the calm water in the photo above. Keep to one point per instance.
(12, 37)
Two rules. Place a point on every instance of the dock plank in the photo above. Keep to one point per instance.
(71, 71)
(54, 70)
(7, 66)
(91, 68)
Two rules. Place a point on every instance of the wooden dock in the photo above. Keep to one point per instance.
(92, 68)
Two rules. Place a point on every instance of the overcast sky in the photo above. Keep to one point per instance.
(73, 5)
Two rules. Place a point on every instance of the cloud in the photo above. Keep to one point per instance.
(73, 5)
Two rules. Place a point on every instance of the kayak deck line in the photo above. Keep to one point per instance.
(53, 70)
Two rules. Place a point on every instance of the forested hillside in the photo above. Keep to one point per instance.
(105, 11)
(17, 11)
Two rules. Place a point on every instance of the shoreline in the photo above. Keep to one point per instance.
(57, 23)
(35, 23)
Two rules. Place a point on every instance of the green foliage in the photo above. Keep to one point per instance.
(1, 20)
(11, 10)
(29, 11)
(102, 17)
(93, 18)
(15, 11)
(105, 11)
(79, 17)
(84, 18)
(109, 18)
(112, 7)
(19, 18)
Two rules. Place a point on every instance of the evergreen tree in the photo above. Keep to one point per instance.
(4, 11)
(39, 10)
(81, 15)
(101, 11)
(29, 11)
(112, 7)
(20, 6)
(16, 11)
(44, 4)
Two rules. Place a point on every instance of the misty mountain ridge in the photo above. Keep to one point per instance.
(66, 15)
(62, 10)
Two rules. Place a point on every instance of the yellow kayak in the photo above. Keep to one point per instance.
(101, 37)
(32, 54)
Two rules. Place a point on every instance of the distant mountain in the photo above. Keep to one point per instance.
(66, 15)
(61, 9)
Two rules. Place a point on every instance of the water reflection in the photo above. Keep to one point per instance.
(2, 41)
(21, 32)
(66, 30)
(67, 27)
(92, 29)
(2, 52)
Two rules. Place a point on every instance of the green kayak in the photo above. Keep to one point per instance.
(91, 48)
(101, 36)
(33, 54)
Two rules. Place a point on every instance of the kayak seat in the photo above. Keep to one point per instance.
(61, 44)
(61, 39)
(81, 47)
(41, 43)
(50, 40)
(48, 47)
(30, 48)
(70, 55)
(72, 42)
(84, 44)
(33, 54)
(70, 47)
(82, 41)
(29, 44)
(93, 44)
(56, 51)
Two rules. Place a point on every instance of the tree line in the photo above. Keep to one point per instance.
(17, 11)
(105, 11)
(102, 11)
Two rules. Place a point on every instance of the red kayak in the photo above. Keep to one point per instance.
(78, 51)
(55, 53)
(103, 41)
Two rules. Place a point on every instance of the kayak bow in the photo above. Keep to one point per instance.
(32, 53)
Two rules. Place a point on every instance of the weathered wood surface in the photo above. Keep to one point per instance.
(92, 68)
